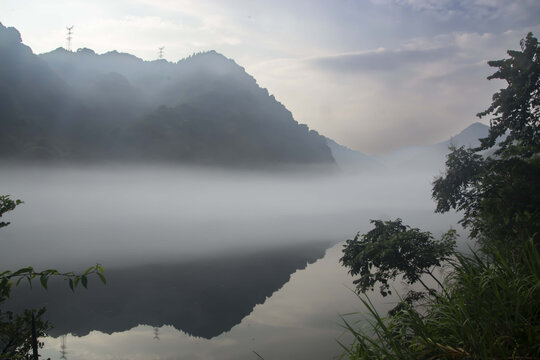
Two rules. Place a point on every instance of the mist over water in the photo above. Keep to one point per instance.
(118, 215)
(207, 251)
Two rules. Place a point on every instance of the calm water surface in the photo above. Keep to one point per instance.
(201, 264)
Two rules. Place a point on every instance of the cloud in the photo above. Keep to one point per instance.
(376, 101)
(381, 59)
(440, 16)
(473, 8)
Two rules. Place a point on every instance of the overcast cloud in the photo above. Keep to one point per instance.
(374, 75)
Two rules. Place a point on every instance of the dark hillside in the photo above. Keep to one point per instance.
(80, 106)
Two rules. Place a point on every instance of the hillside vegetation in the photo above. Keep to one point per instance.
(81, 106)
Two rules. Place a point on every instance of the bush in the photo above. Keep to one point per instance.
(492, 311)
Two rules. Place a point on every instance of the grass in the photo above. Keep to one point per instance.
(491, 311)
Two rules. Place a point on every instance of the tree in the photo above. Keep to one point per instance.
(490, 308)
(516, 109)
(19, 332)
(496, 184)
(392, 249)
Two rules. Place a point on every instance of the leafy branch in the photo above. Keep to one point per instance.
(7, 204)
(19, 333)
(73, 279)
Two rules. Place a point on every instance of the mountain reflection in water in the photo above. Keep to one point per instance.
(202, 297)
(300, 321)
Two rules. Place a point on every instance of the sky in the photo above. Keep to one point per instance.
(374, 75)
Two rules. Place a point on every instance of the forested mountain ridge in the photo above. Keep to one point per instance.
(204, 109)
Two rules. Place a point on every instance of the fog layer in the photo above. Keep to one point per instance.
(117, 215)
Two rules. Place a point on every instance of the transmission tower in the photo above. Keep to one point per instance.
(69, 37)
(161, 52)
(63, 347)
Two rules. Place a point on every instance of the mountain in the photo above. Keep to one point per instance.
(426, 157)
(433, 157)
(205, 109)
(32, 97)
(351, 160)
(468, 137)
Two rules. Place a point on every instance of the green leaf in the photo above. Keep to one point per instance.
(84, 281)
(43, 279)
(103, 280)
(26, 270)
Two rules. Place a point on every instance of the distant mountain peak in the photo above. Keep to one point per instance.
(9, 36)
(208, 57)
(433, 156)
(121, 55)
(469, 136)
(60, 50)
(208, 53)
(86, 51)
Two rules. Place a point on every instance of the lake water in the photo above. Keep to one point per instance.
(200, 263)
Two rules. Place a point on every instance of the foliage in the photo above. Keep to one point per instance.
(498, 197)
(16, 330)
(491, 312)
(490, 309)
(8, 277)
(391, 249)
(6, 204)
(16, 333)
(495, 184)
(516, 109)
